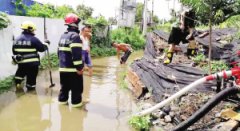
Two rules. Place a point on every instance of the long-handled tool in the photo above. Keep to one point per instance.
(48, 56)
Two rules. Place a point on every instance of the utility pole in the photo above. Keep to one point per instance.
(152, 11)
(210, 37)
(144, 22)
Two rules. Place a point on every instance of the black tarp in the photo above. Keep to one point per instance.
(160, 78)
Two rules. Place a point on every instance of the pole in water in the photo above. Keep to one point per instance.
(48, 56)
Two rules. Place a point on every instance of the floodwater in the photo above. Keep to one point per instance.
(108, 109)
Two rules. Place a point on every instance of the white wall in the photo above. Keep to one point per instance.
(54, 27)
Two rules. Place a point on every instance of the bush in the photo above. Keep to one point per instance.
(101, 52)
(164, 27)
(216, 66)
(129, 36)
(54, 61)
(37, 10)
(140, 123)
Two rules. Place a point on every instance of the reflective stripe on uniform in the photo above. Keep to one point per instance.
(31, 86)
(25, 50)
(29, 60)
(75, 45)
(77, 62)
(64, 49)
(67, 70)
(19, 78)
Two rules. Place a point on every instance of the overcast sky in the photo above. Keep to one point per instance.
(161, 7)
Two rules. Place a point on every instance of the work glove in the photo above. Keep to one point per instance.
(47, 41)
(46, 44)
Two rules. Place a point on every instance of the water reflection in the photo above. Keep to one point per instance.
(108, 109)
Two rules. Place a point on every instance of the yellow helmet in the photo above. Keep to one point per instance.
(28, 25)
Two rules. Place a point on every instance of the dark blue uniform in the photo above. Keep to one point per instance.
(26, 47)
(70, 60)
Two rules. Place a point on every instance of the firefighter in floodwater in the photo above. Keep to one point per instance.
(25, 53)
(183, 32)
(70, 63)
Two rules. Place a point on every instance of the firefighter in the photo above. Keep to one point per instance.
(25, 53)
(182, 32)
(70, 63)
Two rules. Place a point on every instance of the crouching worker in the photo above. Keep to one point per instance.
(70, 63)
(122, 47)
(182, 32)
(25, 53)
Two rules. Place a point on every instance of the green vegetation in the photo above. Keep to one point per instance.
(37, 10)
(164, 27)
(99, 21)
(122, 76)
(102, 52)
(6, 83)
(54, 61)
(140, 123)
(139, 14)
(130, 36)
(101, 35)
(49, 11)
(216, 66)
(222, 9)
(19, 7)
(4, 20)
(84, 12)
(232, 22)
(199, 58)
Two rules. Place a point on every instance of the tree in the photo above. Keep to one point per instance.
(222, 9)
(62, 11)
(37, 10)
(84, 12)
(139, 12)
(112, 20)
(4, 20)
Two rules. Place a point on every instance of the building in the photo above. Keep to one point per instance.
(127, 12)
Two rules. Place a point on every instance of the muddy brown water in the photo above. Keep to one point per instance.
(108, 109)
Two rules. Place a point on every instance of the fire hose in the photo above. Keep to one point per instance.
(206, 108)
(224, 74)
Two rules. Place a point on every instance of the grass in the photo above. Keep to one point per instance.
(140, 123)
(216, 66)
(123, 84)
(6, 83)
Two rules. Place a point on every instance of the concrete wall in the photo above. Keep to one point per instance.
(54, 27)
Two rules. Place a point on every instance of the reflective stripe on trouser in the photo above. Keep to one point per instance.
(67, 70)
(71, 81)
(29, 71)
(29, 60)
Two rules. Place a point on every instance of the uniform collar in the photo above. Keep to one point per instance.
(72, 29)
(27, 33)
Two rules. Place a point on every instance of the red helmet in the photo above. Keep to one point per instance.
(72, 19)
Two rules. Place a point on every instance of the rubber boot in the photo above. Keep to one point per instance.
(169, 57)
(191, 52)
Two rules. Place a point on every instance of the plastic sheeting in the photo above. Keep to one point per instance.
(160, 78)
